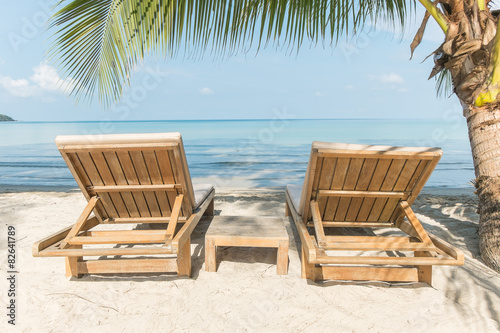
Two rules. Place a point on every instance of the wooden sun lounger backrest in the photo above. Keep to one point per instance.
(135, 175)
(362, 183)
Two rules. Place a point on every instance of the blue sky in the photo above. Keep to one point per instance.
(366, 77)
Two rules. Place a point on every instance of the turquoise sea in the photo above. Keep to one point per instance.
(248, 153)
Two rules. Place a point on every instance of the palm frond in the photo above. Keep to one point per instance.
(444, 84)
(99, 42)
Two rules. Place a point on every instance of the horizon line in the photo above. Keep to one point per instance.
(226, 119)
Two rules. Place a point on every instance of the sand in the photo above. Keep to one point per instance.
(245, 295)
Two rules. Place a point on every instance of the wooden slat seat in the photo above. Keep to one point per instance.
(130, 178)
(366, 186)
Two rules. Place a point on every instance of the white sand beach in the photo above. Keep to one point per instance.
(245, 294)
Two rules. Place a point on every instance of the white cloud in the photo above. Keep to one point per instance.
(391, 81)
(44, 79)
(319, 94)
(349, 87)
(19, 88)
(206, 91)
(390, 78)
(47, 78)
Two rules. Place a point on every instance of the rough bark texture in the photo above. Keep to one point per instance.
(488, 190)
(484, 130)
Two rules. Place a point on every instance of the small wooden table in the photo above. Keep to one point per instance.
(249, 231)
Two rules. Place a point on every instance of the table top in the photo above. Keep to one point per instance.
(261, 227)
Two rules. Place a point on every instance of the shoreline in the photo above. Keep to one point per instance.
(66, 188)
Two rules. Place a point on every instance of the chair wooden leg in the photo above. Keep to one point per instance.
(424, 272)
(210, 209)
(184, 259)
(72, 264)
(307, 269)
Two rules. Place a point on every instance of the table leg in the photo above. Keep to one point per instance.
(282, 264)
(210, 255)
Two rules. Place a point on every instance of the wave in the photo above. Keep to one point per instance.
(31, 165)
(236, 163)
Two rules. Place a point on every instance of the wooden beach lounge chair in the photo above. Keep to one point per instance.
(351, 186)
(129, 179)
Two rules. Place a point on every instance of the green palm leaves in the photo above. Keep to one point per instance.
(90, 47)
(98, 43)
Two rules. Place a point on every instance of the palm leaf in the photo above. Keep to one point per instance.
(98, 43)
(444, 84)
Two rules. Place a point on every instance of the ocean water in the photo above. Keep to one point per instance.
(248, 153)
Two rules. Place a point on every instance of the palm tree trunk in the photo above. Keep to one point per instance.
(484, 135)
